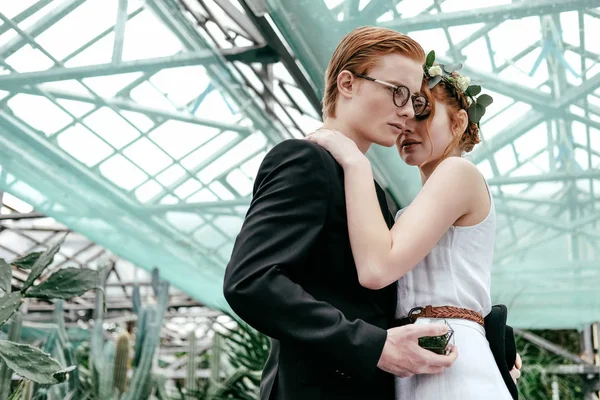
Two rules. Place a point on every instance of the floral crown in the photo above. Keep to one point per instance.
(435, 73)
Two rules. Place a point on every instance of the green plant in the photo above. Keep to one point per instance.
(147, 339)
(192, 355)
(121, 363)
(237, 357)
(27, 361)
(14, 333)
(535, 383)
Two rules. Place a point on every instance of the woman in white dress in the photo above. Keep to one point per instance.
(441, 246)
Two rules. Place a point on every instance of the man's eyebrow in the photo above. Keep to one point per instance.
(398, 83)
(395, 82)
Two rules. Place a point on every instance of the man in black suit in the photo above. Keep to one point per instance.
(292, 275)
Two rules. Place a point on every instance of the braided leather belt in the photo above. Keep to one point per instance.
(440, 312)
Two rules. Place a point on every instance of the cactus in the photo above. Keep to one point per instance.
(190, 382)
(140, 386)
(161, 389)
(137, 300)
(121, 362)
(215, 363)
(32, 363)
(64, 350)
(141, 375)
(5, 276)
(27, 261)
(14, 334)
(41, 264)
(105, 390)
(23, 392)
(65, 284)
(96, 357)
(9, 303)
(155, 281)
(140, 334)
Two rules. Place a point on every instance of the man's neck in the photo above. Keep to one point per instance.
(338, 125)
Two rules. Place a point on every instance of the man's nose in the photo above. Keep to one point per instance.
(407, 111)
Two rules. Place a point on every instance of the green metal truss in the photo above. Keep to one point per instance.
(142, 124)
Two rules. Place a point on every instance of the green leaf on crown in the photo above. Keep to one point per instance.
(476, 111)
(473, 90)
(485, 100)
(450, 68)
(430, 59)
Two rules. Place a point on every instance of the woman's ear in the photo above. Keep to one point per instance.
(345, 83)
(461, 122)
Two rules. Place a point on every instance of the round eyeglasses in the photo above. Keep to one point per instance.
(401, 94)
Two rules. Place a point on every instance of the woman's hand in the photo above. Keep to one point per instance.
(343, 149)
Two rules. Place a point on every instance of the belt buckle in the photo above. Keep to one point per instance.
(414, 313)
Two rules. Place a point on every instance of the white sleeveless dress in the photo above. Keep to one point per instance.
(457, 272)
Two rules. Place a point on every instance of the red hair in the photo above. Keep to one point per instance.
(359, 51)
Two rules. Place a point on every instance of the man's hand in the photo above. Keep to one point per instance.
(516, 371)
(402, 356)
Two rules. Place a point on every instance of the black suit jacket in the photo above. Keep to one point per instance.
(292, 276)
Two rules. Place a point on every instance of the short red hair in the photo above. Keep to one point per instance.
(359, 51)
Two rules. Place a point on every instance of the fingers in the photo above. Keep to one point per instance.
(428, 362)
(518, 362)
(515, 374)
(443, 361)
(453, 355)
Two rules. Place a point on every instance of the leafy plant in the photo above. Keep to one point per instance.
(29, 362)
(535, 383)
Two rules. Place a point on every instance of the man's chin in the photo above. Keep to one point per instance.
(386, 141)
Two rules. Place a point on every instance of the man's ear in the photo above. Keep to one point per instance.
(345, 84)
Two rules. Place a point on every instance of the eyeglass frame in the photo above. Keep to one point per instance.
(396, 89)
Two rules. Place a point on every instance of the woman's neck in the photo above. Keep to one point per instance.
(427, 169)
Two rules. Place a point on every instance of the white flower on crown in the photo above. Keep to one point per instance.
(436, 70)
(463, 83)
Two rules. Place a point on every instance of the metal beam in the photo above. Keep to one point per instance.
(22, 16)
(169, 12)
(40, 26)
(201, 57)
(507, 136)
(487, 28)
(100, 36)
(566, 268)
(513, 90)
(518, 10)
(558, 225)
(576, 93)
(573, 370)
(546, 344)
(583, 120)
(130, 105)
(553, 177)
(288, 60)
(20, 216)
(18, 134)
(375, 9)
(241, 19)
(120, 32)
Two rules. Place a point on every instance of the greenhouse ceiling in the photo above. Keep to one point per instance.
(141, 124)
